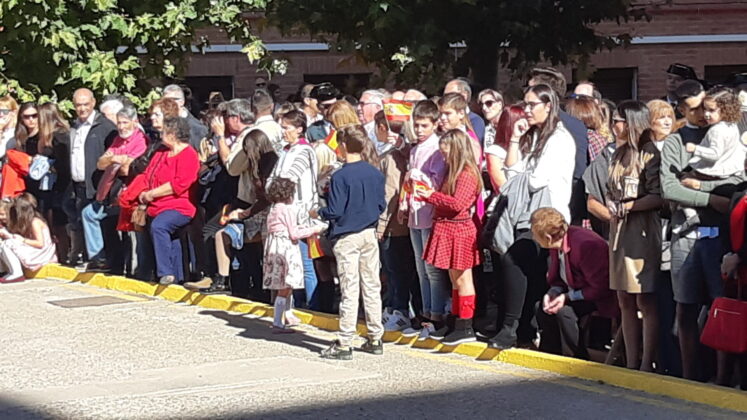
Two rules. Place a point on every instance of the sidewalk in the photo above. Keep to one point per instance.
(650, 383)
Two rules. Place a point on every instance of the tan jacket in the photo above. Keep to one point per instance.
(394, 167)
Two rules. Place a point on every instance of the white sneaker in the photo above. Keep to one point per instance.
(428, 328)
(397, 322)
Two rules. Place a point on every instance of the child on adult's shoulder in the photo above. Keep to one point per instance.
(283, 266)
(26, 241)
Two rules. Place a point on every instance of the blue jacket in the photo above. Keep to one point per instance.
(355, 199)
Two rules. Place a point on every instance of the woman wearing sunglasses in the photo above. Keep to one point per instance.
(491, 105)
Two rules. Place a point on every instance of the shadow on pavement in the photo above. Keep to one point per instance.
(256, 328)
(13, 410)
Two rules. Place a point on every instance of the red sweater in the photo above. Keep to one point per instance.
(181, 171)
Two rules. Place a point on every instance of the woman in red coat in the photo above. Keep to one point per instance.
(453, 243)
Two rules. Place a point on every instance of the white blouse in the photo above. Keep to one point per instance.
(553, 169)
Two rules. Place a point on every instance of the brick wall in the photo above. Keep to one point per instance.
(682, 17)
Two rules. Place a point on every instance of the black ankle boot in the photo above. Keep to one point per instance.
(219, 285)
(506, 337)
(463, 333)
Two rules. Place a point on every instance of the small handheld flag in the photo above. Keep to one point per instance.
(396, 110)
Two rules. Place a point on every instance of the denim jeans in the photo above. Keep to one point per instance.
(145, 256)
(434, 283)
(163, 230)
(91, 217)
(309, 298)
(399, 265)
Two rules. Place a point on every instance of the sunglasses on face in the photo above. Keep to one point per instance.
(30, 116)
(488, 104)
(4, 112)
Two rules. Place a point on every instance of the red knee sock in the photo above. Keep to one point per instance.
(467, 307)
(455, 302)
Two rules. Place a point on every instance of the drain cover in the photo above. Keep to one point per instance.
(89, 301)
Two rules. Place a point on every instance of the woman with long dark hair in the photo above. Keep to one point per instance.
(543, 149)
(633, 196)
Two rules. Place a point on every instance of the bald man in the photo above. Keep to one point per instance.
(91, 133)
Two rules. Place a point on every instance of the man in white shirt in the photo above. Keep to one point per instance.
(197, 130)
(91, 133)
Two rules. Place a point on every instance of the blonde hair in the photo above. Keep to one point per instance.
(460, 158)
(456, 102)
(548, 222)
(342, 114)
(8, 102)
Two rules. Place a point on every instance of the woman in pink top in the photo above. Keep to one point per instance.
(171, 176)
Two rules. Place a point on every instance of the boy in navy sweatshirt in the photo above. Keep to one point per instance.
(354, 203)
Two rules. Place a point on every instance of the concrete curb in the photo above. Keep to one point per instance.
(640, 381)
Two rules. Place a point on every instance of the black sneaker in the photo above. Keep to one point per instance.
(98, 266)
(219, 285)
(463, 333)
(442, 332)
(373, 346)
(338, 352)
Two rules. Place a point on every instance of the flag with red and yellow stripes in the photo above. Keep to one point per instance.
(396, 110)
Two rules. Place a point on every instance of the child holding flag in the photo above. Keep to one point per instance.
(453, 242)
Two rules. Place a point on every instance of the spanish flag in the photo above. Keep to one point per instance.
(397, 110)
(331, 140)
(315, 247)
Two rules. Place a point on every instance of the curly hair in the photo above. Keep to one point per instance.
(727, 100)
(281, 190)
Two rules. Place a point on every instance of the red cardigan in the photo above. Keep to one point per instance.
(181, 171)
(587, 269)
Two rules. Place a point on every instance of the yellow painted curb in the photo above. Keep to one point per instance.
(712, 395)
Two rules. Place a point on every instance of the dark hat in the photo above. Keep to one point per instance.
(685, 72)
(324, 92)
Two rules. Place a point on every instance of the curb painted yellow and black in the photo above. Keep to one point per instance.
(640, 381)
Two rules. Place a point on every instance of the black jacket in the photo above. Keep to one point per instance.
(99, 138)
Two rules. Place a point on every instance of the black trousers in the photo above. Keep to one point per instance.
(560, 333)
(524, 272)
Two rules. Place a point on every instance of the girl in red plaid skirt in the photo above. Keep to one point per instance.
(453, 243)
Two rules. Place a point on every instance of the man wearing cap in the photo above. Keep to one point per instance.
(676, 74)
(325, 95)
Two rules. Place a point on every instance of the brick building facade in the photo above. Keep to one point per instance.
(709, 35)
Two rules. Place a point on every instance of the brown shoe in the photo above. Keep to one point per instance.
(203, 284)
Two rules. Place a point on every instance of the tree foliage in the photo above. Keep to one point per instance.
(48, 48)
(414, 39)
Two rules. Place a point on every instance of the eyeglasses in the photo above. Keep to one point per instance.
(30, 116)
(488, 104)
(529, 106)
(4, 112)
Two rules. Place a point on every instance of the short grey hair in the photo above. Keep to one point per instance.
(376, 96)
(492, 92)
(174, 89)
(415, 95)
(463, 87)
(115, 105)
(128, 111)
(241, 108)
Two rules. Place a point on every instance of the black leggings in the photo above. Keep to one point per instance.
(524, 274)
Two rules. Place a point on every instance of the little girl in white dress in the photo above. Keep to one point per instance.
(26, 241)
(283, 267)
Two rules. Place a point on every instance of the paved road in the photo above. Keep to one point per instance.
(136, 357)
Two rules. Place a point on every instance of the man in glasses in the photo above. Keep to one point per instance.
(371, 102)
(325, 95)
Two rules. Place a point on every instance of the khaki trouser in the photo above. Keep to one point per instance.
(358, 267)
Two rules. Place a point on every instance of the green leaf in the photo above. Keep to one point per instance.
(69, 39)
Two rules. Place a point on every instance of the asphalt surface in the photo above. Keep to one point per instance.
(136, 357)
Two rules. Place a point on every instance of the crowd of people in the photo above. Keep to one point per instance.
(562, 221)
